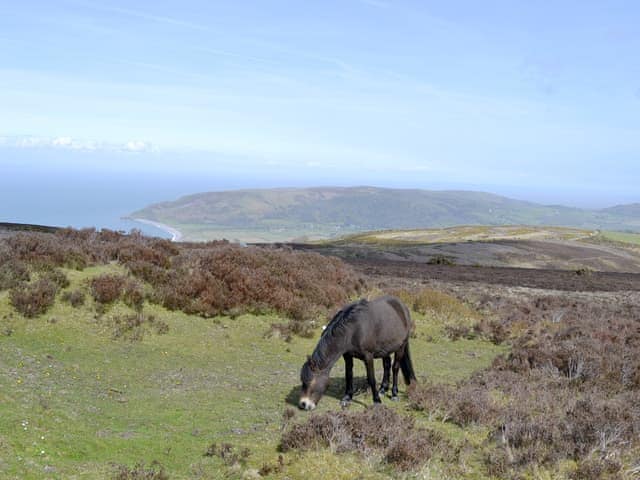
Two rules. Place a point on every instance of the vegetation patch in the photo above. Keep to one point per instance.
(376, 432)
(215, 278)
(33, 299)
(75, 298)
(567, 391)
(132, 327)
(155, 471)
(107, 288)
(13, 273)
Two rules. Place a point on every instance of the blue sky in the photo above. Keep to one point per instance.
(507, 96)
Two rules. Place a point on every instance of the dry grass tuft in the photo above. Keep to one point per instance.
(155, 471)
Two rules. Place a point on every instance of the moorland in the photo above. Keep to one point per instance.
(130, 357)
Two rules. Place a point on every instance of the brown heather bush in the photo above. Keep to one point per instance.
(81, 248)
(33, 299)
(133, 327)
(378, 430)
(227, 279)
(57, 277)
(75, 298)
(206, 279)
(228, 453)
(12, 273)
(569, 389)
(133, 295)
(464, 404)
(155, 471)
(596, 469)
(107, 288)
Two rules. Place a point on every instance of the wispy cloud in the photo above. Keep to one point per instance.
(70, 143)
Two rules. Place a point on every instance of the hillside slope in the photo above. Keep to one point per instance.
(327, 211)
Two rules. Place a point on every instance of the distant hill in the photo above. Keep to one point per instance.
(327, 211)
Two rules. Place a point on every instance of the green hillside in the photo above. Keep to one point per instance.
(280, 214)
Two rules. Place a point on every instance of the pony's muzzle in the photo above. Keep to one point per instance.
(306, 404)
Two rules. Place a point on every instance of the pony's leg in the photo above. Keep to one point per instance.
(386, 362)
(396, 368)
(348, 377)
(371, 378)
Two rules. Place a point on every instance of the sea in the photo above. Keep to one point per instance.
(100, 200)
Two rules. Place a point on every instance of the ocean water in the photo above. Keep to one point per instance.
(90, 200)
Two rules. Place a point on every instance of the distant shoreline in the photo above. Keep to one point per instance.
(176, 235)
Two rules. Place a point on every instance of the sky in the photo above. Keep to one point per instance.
(537, 100)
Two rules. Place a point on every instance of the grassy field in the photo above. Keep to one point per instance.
(623, 237)
(276, 233)
(468, 233)
(78, 403)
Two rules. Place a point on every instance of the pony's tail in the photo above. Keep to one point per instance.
(407, 367)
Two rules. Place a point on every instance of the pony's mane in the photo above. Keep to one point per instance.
(336, 327)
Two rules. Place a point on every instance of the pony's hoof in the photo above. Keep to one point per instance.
(345, 402)
(382, 391)
(394, 398)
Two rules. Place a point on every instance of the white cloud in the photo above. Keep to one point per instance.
(137, 146)
(66, 142)
(62, 142)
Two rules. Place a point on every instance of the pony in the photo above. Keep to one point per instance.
(363, 330)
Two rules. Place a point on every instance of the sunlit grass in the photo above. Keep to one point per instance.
(75, 402)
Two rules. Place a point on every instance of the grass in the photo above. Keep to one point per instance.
(280, 232)
(623, 237)
(466, 233)
(75, 402)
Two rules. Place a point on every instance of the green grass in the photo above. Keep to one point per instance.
(281, 232)
(623, 237)
(75, 402)
(465, 233)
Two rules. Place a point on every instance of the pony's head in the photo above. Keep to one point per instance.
(314, 383)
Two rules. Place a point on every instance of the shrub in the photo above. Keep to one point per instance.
(58, 277)
(133, 295)
(107, 288)
(75, 298)
(206, 279)
(441, 260)
(33, 299)
(155, 471)
(13, 273)
(378, 429)
(464, 404)
(132, 327)
(569, 388)
(228, 279)
(228, 453)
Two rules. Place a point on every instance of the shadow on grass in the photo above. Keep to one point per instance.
(336, 390)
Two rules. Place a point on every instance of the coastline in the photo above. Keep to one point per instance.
(176, 235)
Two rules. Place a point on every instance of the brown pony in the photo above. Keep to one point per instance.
(364, 330)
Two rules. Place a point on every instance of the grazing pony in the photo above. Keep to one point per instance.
(364, 330)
